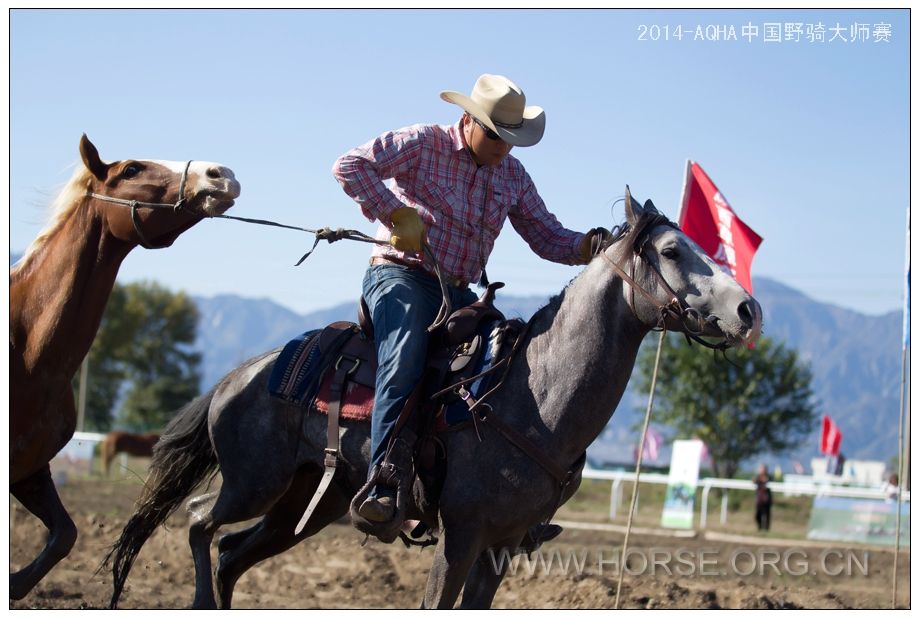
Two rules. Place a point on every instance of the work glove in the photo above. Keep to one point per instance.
(592, 243)
(408, 231)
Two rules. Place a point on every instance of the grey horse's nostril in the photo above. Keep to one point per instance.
(214, 172)
(746, 313)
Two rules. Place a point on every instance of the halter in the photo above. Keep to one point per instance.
(179, 205)
(693, 324)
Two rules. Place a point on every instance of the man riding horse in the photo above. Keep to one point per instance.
(454, 186)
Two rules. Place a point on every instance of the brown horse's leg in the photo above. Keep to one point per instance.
(108, 453)
(38, 494)
(274, 534)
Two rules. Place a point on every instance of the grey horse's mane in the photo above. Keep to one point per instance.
(626, 236)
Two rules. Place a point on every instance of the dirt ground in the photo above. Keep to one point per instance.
(577, 570)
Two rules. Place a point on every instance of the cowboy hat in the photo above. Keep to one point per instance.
(498, 103)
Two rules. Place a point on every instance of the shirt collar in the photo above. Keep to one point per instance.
(456, 135)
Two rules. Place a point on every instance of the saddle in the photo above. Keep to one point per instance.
(471, 338)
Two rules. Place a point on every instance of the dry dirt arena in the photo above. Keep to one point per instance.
(332, 570)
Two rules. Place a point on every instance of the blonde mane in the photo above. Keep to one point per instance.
(60, 209)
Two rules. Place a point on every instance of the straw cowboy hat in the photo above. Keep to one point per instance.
(498, 103)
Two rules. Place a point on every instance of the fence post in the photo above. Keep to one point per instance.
(704, 506)
(615, 489)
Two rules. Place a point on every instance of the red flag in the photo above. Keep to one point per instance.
(830, 437)
(707, 218)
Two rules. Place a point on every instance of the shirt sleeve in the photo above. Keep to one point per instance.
(362, 171)
(541, 230)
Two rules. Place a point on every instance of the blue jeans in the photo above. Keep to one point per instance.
(403, 302)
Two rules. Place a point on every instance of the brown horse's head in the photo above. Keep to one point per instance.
(209, 189)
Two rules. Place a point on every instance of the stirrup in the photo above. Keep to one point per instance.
(387, 531)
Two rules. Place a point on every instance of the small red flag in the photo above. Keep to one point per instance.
(830, 437)
(708, 219)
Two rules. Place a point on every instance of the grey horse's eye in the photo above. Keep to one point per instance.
(670, 253)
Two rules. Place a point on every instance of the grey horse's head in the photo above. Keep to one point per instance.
(667, 265)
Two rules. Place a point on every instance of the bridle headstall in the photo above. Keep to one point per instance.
(692, 323)
(176, 207)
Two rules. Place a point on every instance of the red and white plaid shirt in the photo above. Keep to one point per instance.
(462, 205)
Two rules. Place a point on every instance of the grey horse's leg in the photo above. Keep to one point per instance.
(233, 504)
(38, 494)
(486, 576)
(455, 555)
(275, 532)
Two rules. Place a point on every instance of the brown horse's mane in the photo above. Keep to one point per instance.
(60, 210)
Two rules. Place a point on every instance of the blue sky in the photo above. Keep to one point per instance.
(808, 141)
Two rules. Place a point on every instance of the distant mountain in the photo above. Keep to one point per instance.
(855, 360)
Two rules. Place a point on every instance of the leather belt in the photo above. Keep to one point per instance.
(454, 282)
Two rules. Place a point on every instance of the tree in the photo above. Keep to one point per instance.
(161, 364)
(754, 401)
(143, 352)
(106, 363)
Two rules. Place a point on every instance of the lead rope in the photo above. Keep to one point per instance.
(635, 494)
(330, 235)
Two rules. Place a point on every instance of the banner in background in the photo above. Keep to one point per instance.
(682, 479)
(858, 520)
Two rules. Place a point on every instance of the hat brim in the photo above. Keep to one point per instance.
(529, 133)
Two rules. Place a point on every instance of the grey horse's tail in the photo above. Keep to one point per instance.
(181, 460)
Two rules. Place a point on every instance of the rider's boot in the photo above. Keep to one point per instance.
(380, 507)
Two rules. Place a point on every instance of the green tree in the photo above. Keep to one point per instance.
(754, 401)
(106, 364)
(142, 355)
(161, 365)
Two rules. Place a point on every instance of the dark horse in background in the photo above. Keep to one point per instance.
(58, 292)
(560, 391)
(139, 445)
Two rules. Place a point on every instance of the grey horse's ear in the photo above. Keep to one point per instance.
(649, 207)
(633, 208)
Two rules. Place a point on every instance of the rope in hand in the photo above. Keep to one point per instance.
(332, 235)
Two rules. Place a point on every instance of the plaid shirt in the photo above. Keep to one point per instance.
(462, 205)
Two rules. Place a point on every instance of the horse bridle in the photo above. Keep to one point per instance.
(693, 324)
(178, 206)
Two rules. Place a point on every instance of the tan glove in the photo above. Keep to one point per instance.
(408, 231)
(592, 242)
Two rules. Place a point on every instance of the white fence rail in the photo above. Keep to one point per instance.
(798, 487)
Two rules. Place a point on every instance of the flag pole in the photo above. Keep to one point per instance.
(903, 441)
(683, 192)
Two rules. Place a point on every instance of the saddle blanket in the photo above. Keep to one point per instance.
(302, 376)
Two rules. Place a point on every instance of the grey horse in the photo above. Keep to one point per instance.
(561, 390)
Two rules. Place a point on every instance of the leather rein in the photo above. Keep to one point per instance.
(692, 322)
(179, 205)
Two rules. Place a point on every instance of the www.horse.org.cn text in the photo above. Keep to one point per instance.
(705, 562)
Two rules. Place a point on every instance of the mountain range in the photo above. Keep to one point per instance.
(854, 358)
(855, 361)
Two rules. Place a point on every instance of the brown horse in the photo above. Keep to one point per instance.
(139, 445)
(58, 292)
